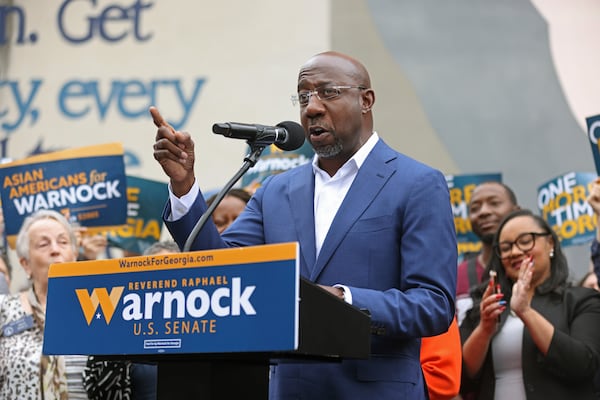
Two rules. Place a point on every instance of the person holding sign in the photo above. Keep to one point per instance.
(90, 246)
(537, 338)
(375, 229)
(45, 238)
(594, 201)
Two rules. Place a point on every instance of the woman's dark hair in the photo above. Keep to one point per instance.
(241, 194)
(559, 268)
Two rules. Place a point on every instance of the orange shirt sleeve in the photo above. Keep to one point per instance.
(441, 361)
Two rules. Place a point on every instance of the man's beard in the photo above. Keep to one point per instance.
(486, 238)
(329, 151)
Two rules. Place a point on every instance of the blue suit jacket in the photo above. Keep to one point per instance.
(392, 243)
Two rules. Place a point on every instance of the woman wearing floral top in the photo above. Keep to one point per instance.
(45, 238)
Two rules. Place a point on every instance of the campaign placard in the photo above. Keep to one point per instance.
(216, 301)
(273, 161)
(593, 125)
(461, 187)
(145, 202)
(85, 184)
(562, 203)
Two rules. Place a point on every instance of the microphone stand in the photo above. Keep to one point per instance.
(256, 149)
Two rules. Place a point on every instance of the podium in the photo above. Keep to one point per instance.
(212, 321)
(330, 330)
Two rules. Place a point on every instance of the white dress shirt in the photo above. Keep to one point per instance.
(330, 192)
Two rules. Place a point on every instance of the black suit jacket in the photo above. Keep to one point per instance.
(567, 371)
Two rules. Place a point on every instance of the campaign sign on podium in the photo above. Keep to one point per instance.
(217, 301)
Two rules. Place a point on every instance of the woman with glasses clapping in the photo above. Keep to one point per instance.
(530, 335)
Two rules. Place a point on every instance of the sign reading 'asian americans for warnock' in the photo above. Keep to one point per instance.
(87, 185)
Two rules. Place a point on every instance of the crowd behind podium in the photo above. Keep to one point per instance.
(490, 201)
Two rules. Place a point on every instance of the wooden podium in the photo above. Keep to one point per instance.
(263, 311)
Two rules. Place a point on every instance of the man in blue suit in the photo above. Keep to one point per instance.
(375, 228)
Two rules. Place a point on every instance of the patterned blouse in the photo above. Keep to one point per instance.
(20, 356)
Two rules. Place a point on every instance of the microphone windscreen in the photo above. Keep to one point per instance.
(295, 138)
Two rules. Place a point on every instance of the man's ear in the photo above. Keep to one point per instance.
(368, 100)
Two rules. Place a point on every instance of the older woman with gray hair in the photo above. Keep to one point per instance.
(45, 238)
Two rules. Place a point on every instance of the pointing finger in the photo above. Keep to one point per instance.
(158, 119)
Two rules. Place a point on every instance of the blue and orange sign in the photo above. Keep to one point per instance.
(86, 184)
(145, 202)
(217, 301)
(562, 202)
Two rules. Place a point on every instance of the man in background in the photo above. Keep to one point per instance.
(490, 203)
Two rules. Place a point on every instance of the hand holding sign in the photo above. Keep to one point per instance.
(594, 197)
(593, 200)
(174, 151)
(90, 245)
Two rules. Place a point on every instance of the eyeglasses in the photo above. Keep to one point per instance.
(322, 93)
(525, 242)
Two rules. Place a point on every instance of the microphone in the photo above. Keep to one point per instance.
(286, 135)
